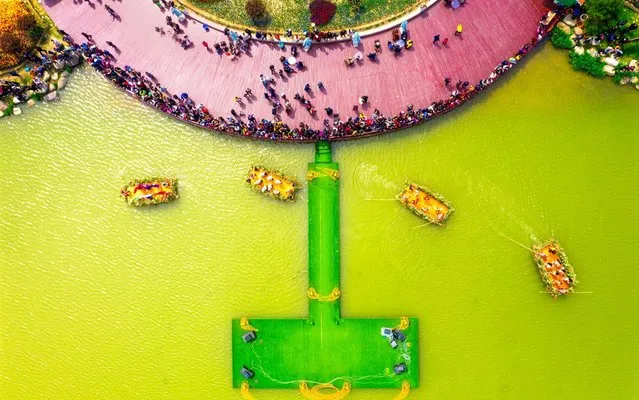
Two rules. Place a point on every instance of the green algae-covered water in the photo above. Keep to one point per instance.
(103, 301)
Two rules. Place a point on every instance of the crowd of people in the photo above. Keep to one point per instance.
(145, 87)
(148, 90)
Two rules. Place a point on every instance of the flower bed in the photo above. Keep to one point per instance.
(272, 183)
(322, 11)
(150, 191)
(554, 269)
(426, 204)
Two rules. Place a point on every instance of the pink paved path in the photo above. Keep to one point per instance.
(493, 31)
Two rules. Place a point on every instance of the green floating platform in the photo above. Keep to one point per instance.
(324, 348)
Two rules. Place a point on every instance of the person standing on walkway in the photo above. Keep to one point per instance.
(459, 30)
(445, 41)
(436, 39)
(447, 81)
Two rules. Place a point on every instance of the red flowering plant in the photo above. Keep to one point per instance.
(322, 11)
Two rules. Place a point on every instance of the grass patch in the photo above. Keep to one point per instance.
(294, 14)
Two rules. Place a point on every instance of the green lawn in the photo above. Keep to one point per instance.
(294, 14)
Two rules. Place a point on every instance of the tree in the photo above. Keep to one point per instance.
(26, 22)
(603, 15)
(11, 44)
(256, 9)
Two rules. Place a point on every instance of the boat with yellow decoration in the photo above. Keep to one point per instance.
(150, 191)
(554, 268)
(425, 203)
(272, 183)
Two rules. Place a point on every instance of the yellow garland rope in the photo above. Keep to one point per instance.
(314, 393)
(245, 391)
(405, 391)
(313, 295)
(244, 324)
(331, 173)
(403, 324)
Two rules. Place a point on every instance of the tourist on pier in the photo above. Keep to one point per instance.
(372, 56)
(307, 88)
(272, 68)
(445, 41)
(447, 81)
(281, 73)
(436, 39)
(459, 30)
(329, 111)
(378, 46)
(363, 100)
(320, 85)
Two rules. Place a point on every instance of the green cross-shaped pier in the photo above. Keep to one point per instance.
(324, 348)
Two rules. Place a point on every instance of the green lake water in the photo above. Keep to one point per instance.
(102, 301)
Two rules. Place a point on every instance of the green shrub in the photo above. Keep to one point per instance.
(587, 63)
(9, 111)
(631, 49)
(603, 15)
(619, 75)
(561, 39)
(255, 9)
(36, 32)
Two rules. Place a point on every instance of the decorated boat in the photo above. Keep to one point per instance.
(150, 191)
(425, 203)
(554, 268)
(272, 183)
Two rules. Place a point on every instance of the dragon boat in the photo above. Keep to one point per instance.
(150, 191)
(425, 203)
(554, 268)
(272, 183)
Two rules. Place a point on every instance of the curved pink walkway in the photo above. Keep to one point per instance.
(493, 31)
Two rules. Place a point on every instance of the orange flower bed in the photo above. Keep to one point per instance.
(555, 271)
(14, 34)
